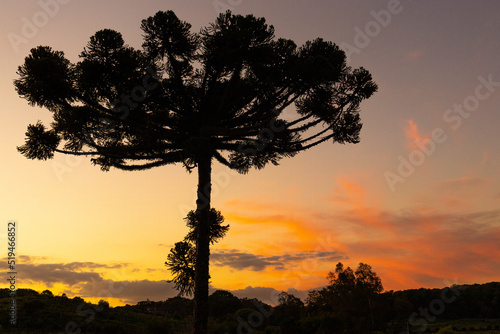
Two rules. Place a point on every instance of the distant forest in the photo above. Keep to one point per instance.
(341, 309)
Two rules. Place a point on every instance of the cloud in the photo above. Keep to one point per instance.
(413, 137)
(417, 248)
(348, 192)
(415, 54)
(26, 259)
(426, 244)
(80, 279)
(50, 274)
(264, 294)
(240, 260)
(460, 183)
(302, 294)
(458, 194)
(30, 259)
(268, 295)
(128, 292)
(71, 274)
(89, 284)
(131, 292)
(273, 227)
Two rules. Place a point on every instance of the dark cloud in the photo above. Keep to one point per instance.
(300, 293)
(128, 292)
(55, 273)
(71, 273)
(85, 283)
(82, 281)
(241, 260)
(132, 292)
(26, 260)
(266, 295)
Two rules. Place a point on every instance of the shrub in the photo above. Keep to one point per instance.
(446, 330)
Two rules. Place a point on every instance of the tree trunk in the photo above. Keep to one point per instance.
(202, 246)
(371, 311)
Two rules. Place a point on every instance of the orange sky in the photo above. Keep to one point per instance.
(418, 198)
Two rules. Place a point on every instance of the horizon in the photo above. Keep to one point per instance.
(417, 199)
(271, 302)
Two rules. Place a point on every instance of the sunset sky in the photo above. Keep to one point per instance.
(418, 198)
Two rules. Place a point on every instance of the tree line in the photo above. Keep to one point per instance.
(353, 301)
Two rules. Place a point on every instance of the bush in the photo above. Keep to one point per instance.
(446, 330)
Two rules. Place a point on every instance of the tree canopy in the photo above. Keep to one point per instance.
(220, 91)
(350, 295)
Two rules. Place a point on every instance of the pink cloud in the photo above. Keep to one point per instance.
(415, 54)
(413, 135)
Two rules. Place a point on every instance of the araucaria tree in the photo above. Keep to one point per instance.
(193, 98)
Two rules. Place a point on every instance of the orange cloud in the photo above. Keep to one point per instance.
(273, 233)
(413, 136)
(415, 54)
(421, 246)
(348, 193)
(298, 225)
(458, 194)
(428, 249)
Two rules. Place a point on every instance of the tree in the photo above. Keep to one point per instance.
(223, 303)
(47, 293)
(350, 295)
(103, 304)
(289, 306)
(343, 281)
(368, 284)
(446, 330)
(193, 98)
(181, 260)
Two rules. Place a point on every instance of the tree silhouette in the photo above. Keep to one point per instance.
(368, 284)
(193, 98)
(289, 306)
(350, 295)
(181, 260)
(223, 304)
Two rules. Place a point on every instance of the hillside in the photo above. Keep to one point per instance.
(464, 309)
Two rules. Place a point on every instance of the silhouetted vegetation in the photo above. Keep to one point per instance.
(351, 303)
(193, 98)
(181, 260)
